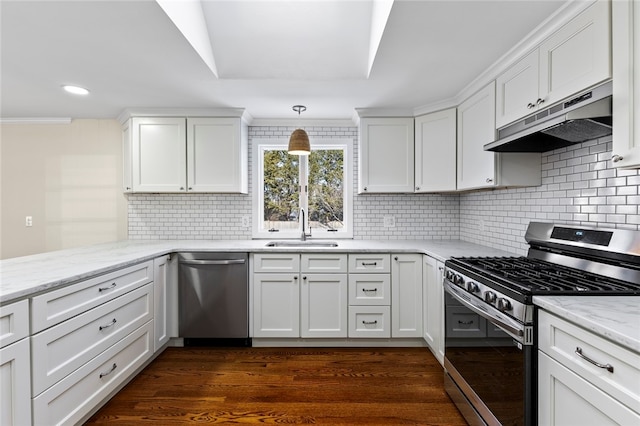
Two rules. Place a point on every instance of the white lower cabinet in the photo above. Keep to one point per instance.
(60, 350)
(369, 295)
(300, 295)
(161, 316)
(276, 305)
(324, 307)
(406, 295)
(433, 306)
(15, 366)
(69, 400)
(572, 389)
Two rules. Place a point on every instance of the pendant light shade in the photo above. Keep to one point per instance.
(299, 140)
(299, 143)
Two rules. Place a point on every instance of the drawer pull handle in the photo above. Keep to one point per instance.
(370, 322)
(465, 322)
(607, 367)
(101, 289)
(113, 321)
(369, 290)
(369, 264)
(113, 367)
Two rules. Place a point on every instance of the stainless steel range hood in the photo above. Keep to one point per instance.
(584, 117)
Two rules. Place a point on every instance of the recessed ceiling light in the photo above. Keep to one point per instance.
(76, 90)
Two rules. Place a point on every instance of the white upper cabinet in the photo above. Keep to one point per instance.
(158, 158)
(216, 155)
(517, 90)
(435, 151)
(385, 155)
(626, 84)
(476, 127)
(478, 168)
(168, 154)
(574, 58)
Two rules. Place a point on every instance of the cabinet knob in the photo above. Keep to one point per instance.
(615, 158)
(190, 188)
(128, 188)
(395, 258)
(530, 105)
(365, 188)
(304, 278)
(540, 101)
(295, 277)
(182, 188)
(417, 188)
(489, 180)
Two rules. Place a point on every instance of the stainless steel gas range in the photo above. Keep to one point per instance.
(490, 319)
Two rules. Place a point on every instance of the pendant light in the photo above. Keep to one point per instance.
(299, 140)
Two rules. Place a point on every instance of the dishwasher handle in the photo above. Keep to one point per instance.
(213, 262)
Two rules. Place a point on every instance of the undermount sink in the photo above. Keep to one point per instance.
(302, 244)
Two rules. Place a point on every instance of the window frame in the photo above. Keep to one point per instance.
(259, 146)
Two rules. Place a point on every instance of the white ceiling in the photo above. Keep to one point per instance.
(262, 55)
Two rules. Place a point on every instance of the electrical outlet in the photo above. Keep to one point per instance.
(246, 221)
(28, 221)
(389, 221)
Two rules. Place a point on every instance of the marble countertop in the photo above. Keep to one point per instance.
(23, 277)
(616, 318)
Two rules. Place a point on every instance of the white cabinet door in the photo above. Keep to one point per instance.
(127, 158)
(564, 398)
(626, 84)
(577, 56)
(276, 305)
(216, 155)
(159, 155)
(406, 295)
(476, 127)
(517, 90)
(385, 155)
(435, 151)
(324, 305)
(433, 306)
(161, 279)
(15, 381)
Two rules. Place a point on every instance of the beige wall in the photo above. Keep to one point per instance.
(69, 178)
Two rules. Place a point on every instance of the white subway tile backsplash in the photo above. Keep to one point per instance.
(579, 186)
(593, 194)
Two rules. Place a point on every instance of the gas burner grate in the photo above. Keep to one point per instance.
(536, 276)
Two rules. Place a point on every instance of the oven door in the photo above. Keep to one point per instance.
(488, 362)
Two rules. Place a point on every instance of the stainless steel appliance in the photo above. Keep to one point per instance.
(581, 118)
(490, 319)
(213, 292)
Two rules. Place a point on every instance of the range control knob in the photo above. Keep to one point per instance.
(471, 287)
(489, 296)
(459, 280)
(450, 275)
(504, 305)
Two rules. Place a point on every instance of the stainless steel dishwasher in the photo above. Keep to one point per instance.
(214, 299)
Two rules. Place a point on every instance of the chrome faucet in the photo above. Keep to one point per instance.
(304, 235)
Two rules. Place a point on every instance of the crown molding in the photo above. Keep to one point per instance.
(36, 120)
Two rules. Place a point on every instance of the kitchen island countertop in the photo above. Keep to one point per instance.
(26, 276)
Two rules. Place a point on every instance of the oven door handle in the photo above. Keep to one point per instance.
(515, 331)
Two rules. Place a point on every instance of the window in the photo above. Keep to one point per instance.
(318, 186)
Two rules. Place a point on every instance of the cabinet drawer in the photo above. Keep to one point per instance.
(370, 263)
(461, 322)
(323, 263)
(369, 289)
(14, 322)
(79, 392)
(60, 350)
(369, 321)
(561, 339)
(564, 398)
(276, 262)
(56, 306)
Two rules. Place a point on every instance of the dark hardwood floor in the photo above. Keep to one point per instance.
(350, 386)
